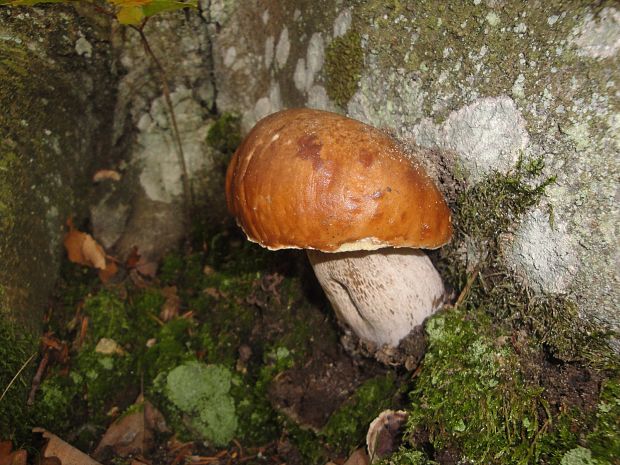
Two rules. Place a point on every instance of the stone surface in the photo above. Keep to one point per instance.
(489, 82)
(488, 136)
(56, 94)
(146, 210)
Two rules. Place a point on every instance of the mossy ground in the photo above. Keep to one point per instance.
(234, 297)
(508, 377)
(16, 349)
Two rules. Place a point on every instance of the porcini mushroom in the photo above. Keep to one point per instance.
(345, 191)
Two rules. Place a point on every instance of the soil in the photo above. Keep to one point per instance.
(310, 394)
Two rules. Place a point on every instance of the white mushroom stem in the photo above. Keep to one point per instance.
(381, 294)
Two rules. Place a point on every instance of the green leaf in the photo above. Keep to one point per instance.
(158, 6)
(130, 15)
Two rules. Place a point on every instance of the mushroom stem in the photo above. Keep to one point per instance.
(380, 294)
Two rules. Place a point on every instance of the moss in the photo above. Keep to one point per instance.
(464, 45)
(578, 456)
(103, 380)
(407, 457)
(604, 438)
(476, 396)
(37, 179)
(485, 213)
(257, 421)
(471, 394)
(493, 206)
(58, 402)
(9, 165)
(171, 347)
(344, 60)
(15, 350)
(347, 427)
(229, 292)
(98, 381)
(225, 133)
(171, 268)
(108, 318)
(201, 392)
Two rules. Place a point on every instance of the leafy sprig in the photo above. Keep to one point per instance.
(129, 12)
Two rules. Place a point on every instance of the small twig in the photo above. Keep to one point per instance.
(103, 11)
(23, 367)
(83, 331)
(465, 292)
(36, 381)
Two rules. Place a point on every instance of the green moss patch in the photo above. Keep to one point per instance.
(15, 350)
(471, 394)
(344, 61)
(485, 214)
(225, 133)
(246, 316)
(348, 426)
(486, 48)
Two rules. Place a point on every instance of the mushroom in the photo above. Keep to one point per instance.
(347, 193)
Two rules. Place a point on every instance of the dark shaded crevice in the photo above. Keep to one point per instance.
(212, 29)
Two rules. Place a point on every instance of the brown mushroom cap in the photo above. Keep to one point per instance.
(317, 180)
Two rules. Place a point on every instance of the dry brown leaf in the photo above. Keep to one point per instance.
(208, 270)
(385, 433)
(172, 304)
(93, 253)
(107, 346)
(139, 462)
(18, 457)
(83, 249)
(133, 259)
(50, 461)
(106, 174)
(359, 457)
(5, 448)
(147, 268)
(64, 452)
(137, 279)
(110, 270)
(132, 434)
(213, 292)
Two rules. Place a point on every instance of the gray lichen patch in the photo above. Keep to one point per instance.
(281, 63)
(489, 136)
(544, 253)
(530, 64)
(155, 152)
(148, 208)
(599, 37)
(392, 99)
